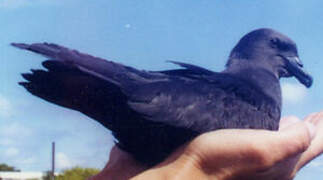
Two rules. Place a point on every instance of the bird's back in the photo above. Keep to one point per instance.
(169, 113)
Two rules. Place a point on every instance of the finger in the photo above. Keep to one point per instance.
(259, 149)
(310, 117)
(117, 156)
(284, 151)
(291, 141)
(119, 161)
(287, 121)
(316, 147)
(314, 117)
(105, 172)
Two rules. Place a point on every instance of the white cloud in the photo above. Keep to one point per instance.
(293, 93)
(11, 152)
(4, 141)
(127, 26)
(63, 161)
(5, 107)
(13, 134)
(29, 160)
(15, 130)
(12, 3)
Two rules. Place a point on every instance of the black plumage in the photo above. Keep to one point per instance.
(151, 113)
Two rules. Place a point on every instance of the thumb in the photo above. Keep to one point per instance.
(295, 138)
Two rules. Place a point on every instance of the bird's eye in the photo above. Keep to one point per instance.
(274, 42)
(278, 44)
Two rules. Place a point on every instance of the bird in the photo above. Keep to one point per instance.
(152, 113)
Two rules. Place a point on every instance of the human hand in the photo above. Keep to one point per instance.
(121, 165)
(232, 154)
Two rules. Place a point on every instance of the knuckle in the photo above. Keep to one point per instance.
(302, 142)
(261, 155)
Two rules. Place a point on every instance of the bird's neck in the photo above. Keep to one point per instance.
(260, 78)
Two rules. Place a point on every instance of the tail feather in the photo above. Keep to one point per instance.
(79, 91)
(107, 70)
(91, 85)
(56, 66)
(48, 86)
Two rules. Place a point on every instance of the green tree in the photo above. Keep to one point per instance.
(5, 167)
(77, 173)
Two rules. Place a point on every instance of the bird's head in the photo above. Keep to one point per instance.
(270, 50)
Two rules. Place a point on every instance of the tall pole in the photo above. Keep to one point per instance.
(53, 161)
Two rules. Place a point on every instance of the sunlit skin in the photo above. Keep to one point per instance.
(232, 154)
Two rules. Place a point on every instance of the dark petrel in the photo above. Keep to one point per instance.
(151, 113)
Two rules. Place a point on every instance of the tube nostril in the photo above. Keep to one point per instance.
(299, 62)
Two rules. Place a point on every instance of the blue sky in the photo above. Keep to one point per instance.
(142, 34)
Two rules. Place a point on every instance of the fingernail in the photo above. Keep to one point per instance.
(311, 129)
(290, 120)
(313, 114)
(293, 120)
(310, 116)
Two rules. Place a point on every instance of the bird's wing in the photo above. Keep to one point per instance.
(222, 102)
(91, 85)
(98, 67)
(108, 91)
(193, 68)
(189, 70)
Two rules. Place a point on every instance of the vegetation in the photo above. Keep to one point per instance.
(5, 167)
(77, 173)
